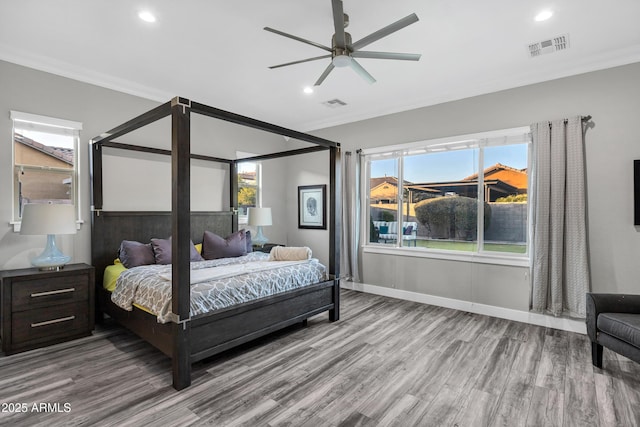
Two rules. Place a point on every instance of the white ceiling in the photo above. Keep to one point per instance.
(217, 53)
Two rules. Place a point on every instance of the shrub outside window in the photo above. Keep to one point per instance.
(443, 201)
(248, 187)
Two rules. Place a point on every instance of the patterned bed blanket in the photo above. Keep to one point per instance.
(239, 280)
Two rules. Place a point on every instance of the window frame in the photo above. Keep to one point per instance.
(483, 140)
(244, 219)
(52, 126)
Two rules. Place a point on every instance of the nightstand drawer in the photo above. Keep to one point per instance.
(48, 323)
(35, 293)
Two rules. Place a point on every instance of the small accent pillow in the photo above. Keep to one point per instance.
(384, 229)
(132, 254)
(407, 230)
(283, 253)
(162, 251)
(214, 246)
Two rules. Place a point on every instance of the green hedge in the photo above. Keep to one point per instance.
(451, 217)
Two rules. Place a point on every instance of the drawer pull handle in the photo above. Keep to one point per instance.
(51, 322)
(59, 291)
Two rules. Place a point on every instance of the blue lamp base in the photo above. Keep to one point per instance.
(259, 239)
(51, 258)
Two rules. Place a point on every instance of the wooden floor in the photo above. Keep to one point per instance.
(387, 362)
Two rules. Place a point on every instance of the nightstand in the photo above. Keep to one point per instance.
(266, 247)
(40, 308)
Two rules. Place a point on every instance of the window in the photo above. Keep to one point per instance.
(464, 194)
(45, 161)
(248, 186)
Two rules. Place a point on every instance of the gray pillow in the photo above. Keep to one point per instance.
(249, 244)
(214, 246)
(132, 254)
(162, 251)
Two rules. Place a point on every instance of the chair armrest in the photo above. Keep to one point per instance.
(608, 303)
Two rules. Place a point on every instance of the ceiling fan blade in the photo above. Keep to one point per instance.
(324, 75)
(300, 61)
(338, 23)
(389, 29)
(387, 55)
(298, 39)
(363, 73)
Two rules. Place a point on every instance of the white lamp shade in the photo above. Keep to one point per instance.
(38, 219)
(259, 216)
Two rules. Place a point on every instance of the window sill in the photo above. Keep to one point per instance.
(16, 225)
(482, 258)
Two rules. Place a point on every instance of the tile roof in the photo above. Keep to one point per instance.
(60, 153)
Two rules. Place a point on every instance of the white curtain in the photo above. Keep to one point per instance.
(560, 269)
(350, 241)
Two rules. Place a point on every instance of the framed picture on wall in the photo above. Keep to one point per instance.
(312, 206)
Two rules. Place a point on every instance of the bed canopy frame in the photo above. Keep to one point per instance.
(193, 339)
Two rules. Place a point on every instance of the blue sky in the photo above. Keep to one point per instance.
(451, 165)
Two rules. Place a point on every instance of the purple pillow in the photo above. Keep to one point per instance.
(214, 246)
(133, 254)
(408, 230)
(162, 251)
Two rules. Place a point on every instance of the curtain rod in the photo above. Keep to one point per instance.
(583, 118)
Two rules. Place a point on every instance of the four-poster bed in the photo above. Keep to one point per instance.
(191, 339)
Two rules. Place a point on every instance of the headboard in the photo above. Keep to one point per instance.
(109, 229)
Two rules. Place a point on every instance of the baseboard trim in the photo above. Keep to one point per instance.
(472, 307)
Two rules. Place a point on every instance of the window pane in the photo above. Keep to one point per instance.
(443, 192)
(41, 186)
(247, 187)
(505, 189)
(383, 197)
(43, 149)
(43, 167)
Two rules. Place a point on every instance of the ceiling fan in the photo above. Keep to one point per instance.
(343, 51)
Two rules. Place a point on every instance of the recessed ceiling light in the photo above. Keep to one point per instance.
(308, 90)
(543, 16)
(146, 16)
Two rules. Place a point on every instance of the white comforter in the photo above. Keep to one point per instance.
(215, 284)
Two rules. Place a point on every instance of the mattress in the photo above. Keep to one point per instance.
(216, 284)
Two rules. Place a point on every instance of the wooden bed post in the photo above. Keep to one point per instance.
(233, 189)
(181, 239)
(190, 340)
(95, 170)
(335, 204)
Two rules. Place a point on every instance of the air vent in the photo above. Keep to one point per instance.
(334, 103)
(549, 46)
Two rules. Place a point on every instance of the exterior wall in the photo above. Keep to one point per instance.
(30, 156)
(42, 185)
(508, 223)
(517, 179)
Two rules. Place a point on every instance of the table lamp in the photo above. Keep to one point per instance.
(49, 219)
(259, 217)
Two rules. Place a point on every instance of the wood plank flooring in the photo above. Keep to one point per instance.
(386, 363)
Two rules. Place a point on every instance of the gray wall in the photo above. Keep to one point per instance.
(307, 169)
(611, 96)
(144, 185)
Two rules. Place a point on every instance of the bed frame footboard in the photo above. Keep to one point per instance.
(213, 333)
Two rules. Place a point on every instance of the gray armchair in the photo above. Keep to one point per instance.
(613, 321)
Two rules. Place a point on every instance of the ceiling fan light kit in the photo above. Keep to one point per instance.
(341, 61)
(343, 52)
